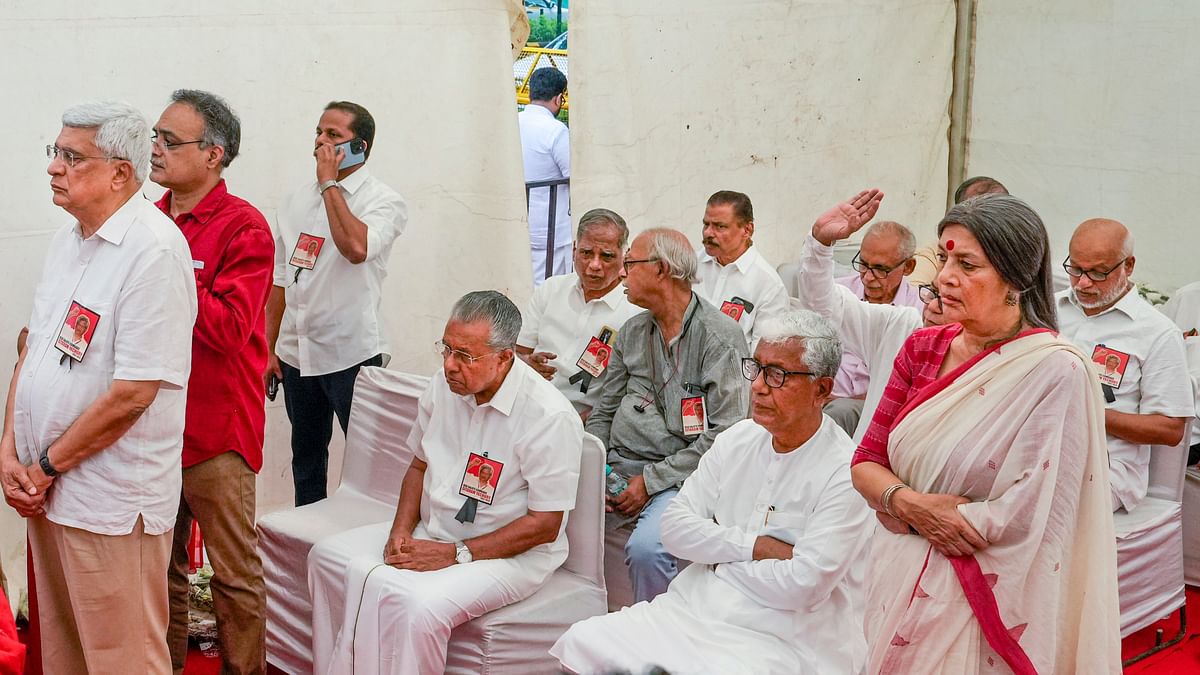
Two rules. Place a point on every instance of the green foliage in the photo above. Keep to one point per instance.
(544, 28)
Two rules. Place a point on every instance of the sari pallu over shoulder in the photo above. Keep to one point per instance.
(1019, 431)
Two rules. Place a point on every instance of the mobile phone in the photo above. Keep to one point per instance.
(744, 303)
(356, 153)
(272, 387)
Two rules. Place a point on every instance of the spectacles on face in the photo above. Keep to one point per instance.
(446, 352)
(773, 376)
(877, 271)
(73, 158)
(163, 143)
(1095, 275)
(928, 293)
(629, 262)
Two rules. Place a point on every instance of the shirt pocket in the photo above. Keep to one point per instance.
(786, 527)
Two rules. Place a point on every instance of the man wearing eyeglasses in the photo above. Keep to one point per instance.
(92, 439)
(1149, 398)
(882, 262)
(324, 313)
(674, 382)
(195, 138)
(775, 531)
(733, 275)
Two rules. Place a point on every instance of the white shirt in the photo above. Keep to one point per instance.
(743, 489)
(558, 320)
(333, 317)
(529, 428)
(546, 152)
(136, 273)
(875, 332)
(750, 278)
(1155, 379)
(853, 377)
(1184, 309)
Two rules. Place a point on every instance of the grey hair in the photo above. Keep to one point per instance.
(1127, 244)
(672, 248)
(122, 132)
(495, 308)
(908, 241)
(221, 125)
(597, 217)
(988, 184)
(1015, 241)
(822, 346)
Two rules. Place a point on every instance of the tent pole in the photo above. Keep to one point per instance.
(960, 95)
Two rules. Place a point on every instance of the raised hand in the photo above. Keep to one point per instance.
(846, 218)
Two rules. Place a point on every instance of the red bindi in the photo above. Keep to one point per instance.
(949, 244)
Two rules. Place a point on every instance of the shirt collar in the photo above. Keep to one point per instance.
(203, 210)
(113, 230)
(506, 396)
(540, 110)
(355, 180)
(1129, 304)
(611, 298)
(743, 263)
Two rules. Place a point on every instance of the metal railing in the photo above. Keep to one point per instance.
(551, 215)
(529, 61)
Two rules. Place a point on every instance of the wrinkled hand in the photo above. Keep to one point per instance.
(421, 555)
(893, 525)
(633, 499)
(20, 491)
(936, 517)
(770, 548)
(328, 159)
(540, 361)
(846, 218)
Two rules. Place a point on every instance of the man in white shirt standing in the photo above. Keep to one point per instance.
(92, 438)
(734, 277)
(323, 315)
(774, 530)
(571, 315)
(391, 593)
(1149, 400)
(546, 152)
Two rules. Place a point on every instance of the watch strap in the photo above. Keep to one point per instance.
(47, 467)
(326, 185)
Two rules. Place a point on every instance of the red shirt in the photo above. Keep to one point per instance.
(233, 255)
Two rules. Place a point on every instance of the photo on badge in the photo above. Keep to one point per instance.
(594, 358)
(77, 331)
(695, 418)
(308, 247)
(481, 478)
(1112, 365)
(733, 309)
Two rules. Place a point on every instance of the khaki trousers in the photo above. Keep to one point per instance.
(102, 603)
(219, 493)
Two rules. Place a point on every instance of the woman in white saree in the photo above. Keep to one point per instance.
(986, 464)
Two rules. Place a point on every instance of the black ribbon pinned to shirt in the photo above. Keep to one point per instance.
(584, 379)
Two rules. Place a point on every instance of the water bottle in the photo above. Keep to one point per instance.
(615, 482)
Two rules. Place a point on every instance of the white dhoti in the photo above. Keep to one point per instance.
(369, 617)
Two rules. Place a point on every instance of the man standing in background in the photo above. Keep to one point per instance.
(546, 152)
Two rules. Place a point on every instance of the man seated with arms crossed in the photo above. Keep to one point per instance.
(734, 277)
(873, 330)
(571, 315)
(882, 261)
(1149, 400)
(392, 593)
(774, 528)
(674, 383)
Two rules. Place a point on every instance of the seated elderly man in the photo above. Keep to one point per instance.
(873, 330)
(1147, 392)
(674, 383)
(570, 316)
(457, 549)
(1184, 309)
(883, 259)
(775, 531)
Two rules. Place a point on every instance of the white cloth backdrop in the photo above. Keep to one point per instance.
(436, 76)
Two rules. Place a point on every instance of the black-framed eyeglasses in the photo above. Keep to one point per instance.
(445, 351)
(773, 376)
(163, 143)
(1095, 275)
(928, 293)
(629, 262)
(72, 158)
(877, 271)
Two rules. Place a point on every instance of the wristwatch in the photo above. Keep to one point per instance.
(326, 185)
(462, 554)
(49, 470)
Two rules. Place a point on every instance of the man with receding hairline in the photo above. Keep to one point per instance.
(1149, 397)
(927, 264)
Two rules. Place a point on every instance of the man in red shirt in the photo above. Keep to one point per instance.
(196, 137)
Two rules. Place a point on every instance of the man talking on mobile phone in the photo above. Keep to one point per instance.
(332, 242)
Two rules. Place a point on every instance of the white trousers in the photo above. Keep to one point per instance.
(369, 617)
(563, 262)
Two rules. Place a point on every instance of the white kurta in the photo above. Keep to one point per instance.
(875, 332)
(750, 278)
(1184, 309)
(727, 613)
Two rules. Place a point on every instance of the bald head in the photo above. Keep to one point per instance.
(1103, 247)
(1102, 238)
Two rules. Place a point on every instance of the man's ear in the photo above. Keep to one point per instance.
(824, 390)
(216, 155)
(123, 174)
(909, 266)
(1129, 263)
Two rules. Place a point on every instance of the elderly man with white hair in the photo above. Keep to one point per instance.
(674, 382)
(463, 542)
(93, 436)
(773, 527)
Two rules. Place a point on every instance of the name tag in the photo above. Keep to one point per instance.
(695, 417)
(77, 330)
(735, 307)
(308, 247)
(481, 478)
(1112, 365)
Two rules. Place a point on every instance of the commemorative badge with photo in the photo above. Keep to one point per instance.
(308, 247)
(695, 417)
(76, 333)
(735, 307)
(595, 357)
(481, 478)
(1112, 365)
